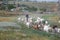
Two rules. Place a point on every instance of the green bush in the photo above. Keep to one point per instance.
(31, 9)
(42, 9)
(10, 6)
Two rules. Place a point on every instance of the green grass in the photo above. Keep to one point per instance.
(27, 34)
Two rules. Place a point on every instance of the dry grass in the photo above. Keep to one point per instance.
(7, 19)
(20, 36)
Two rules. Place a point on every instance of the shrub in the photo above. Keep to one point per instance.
(42, 9)
(30, 9)
(10, 6)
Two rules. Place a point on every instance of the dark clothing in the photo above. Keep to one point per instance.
(27, 16)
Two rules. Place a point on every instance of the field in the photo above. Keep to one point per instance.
(23, 33)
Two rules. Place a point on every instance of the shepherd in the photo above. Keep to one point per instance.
(27, 16)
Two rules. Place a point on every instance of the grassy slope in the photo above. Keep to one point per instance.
(25, 33)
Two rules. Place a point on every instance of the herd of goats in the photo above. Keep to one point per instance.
(39, 23)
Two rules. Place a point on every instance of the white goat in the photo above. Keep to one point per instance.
(58, 30)
(38, 20)
(19, 19)
(28, 24)
(46, 22)
(30, 19)
(22, 19)
(46, 28)
(59, 21)
(41, 19)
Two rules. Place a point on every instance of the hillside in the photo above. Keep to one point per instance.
(35, 3)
